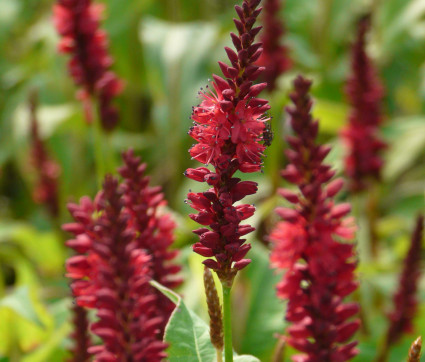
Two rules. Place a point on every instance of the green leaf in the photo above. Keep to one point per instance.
(20, 302)
(187, 334)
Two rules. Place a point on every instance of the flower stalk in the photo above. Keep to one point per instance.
(80, 335)
(46, 191)
(227, 321)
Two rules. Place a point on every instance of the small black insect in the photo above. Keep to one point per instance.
(268, 135)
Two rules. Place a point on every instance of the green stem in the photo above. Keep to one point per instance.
(227, 321)
(372, 216)
(98, 151)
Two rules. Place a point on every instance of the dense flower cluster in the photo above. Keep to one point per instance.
(46, 191)
(121, 244)
(405, 301)
(361, 135)
(77, 21)
(275, 57)
(319, 268)
(154, 233)
(229, 131)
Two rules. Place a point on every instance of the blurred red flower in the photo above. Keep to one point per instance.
(319, 268)
(77, 22)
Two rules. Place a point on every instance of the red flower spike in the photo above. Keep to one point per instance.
(122, 242)
(229, 133)
(154, 231)
(46, 191)
(405, 302)
(275, 58)
(361, 136)
(77, 22)
(115, 277)
(319, 268)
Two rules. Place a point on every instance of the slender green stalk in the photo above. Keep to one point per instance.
(372, 217)
(219, 355)
(227, 321)
(98, 152)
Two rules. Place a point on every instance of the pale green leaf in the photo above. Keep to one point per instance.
(332, 115)
(186, 334)
(20, 302)
(245, 358)
(407, 143)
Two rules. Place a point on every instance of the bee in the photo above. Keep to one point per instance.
(268, 135)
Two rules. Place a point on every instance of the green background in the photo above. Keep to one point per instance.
(165, 51)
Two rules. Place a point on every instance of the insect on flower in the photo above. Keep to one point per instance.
(268, 135)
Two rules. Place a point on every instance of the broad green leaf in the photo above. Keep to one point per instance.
(20, 302)
(186, 333)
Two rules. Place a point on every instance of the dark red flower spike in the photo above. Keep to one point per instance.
(228, 129)
(319, 268)
(77, 22)
(361, 136)
(275, 58)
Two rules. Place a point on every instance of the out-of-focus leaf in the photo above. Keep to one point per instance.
(53, 346)
(49, 350)
(186, 333)
(43, 248)
(332, 115)
(49, 118)
(265, 312)
(407, 142)
(20, 302)
(398, 21)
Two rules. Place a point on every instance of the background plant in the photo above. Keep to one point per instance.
(165, 51)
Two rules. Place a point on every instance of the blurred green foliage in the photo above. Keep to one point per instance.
(165, 51)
